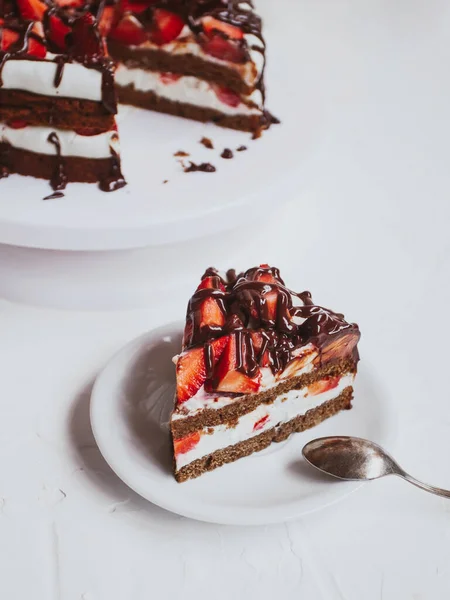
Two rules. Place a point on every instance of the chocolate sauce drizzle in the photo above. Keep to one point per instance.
(257, 306)
(59, 177)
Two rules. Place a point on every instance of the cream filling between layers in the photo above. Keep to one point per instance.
(186, 89)
(38, 77)
(185, 43)
(286, 407)
(203, 399)
(35, 139)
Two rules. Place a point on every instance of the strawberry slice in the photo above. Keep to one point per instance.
(227, 96)
(191, 368)
(70, 3)
(260, 423)
(32, 10)
(340, 347)
(168, 78)
(211, 282)
(17, 124)
(212, 25)
(183, 445)
(58, 32)
(129, 31)
(86, 41)
(324, 385)
(107, 20)
(134, 7)
(223, 49)
(269, 296)
(9, 38)
(36, 47)
(166, 26)
(227, 378)
(210, 313)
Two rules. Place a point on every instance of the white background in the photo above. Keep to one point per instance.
(368, 233)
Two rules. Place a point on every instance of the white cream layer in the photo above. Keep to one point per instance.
(35, 139)
(37, 77)
(203, 399)
(287, 406)
(186, 89)
(186, 43)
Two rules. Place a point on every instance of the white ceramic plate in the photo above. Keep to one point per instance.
(148, 212)
(130, 407)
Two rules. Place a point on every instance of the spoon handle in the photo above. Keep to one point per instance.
(425, 486)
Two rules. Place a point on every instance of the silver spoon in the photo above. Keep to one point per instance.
(353, 458)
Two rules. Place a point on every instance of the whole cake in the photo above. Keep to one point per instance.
(57, 96)
(258, 363)
(201, 59)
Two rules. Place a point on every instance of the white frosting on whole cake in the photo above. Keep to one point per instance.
(186, 89)
(286, 407)
(38, 77)
(35, 139)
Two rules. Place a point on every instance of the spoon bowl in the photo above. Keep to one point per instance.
(356, 459)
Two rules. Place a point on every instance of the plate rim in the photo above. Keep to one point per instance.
(245, 516)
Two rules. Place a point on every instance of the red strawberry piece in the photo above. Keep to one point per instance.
(323, 385)
(166, 26)
(17, 124)
(269, 295)
(191, 369)
(36, 48)
(32, 10)
(260, 424)
(70, 3)
(339, 347)
(211, 282)
(227, 96)
(107, 20)
(9, 38)
(58, 32)
(168, 78)
(223, 49)
(226, 377)
(134, 7)
(212, 25)
(183, 445)
(129, 31)
(86, 41)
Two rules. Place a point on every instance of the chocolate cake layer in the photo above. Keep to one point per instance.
(43, 166)
(277, 434)
(230, 414)
(151, 101)
(182, 64)
(62, 113)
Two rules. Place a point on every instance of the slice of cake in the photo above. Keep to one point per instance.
(198, 59)
(57, 97)
(258, 363)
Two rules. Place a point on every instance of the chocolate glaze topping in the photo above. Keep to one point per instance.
(257, 305)
(59, 178)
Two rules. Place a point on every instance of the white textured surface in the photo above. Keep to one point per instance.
(35, 139)
(186, 89)
(38, 77)
(377, 205)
